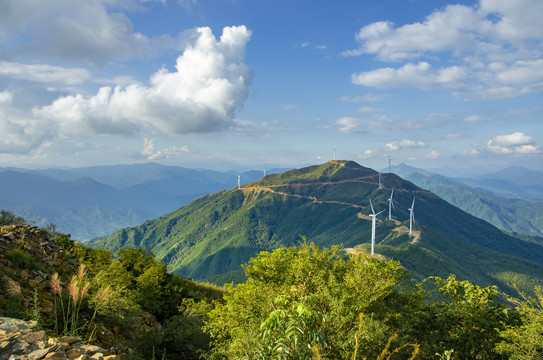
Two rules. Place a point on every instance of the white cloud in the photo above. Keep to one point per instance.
(403, 144)
(368, 109)
(367, 154)
(152, 153)
(363, 98)
(44, 73)
(20, 134)
(527, 149)
(514, 139)
(69, 30)
(432, 155)
(518, 143)
(349, 124)
(453, 136)
(492, 50)
(473, 117)
(6, 97)
(421, 75)
(209, 85)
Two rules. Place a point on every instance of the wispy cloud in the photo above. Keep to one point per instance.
(368, 154)
(485, 45)
(403, 144)
(69, 30)
(44, 73)
(363, 98)
(432, 155)
(150, 152)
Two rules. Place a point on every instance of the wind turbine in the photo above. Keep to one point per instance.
(380, 182)
(373, 216)
(239, 180)
(411, 216)
(390, 204)
(389, 161)
(264, 172)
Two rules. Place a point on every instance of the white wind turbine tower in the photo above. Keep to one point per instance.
(264, 172)
(239, 180)
(389, 161)
(373, 216)
(380, 182)
(390, 204)
(411, 216)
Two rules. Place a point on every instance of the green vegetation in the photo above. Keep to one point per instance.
(9, 218)
(310, 303)
(131, 299)
(513, 215)
(214, 235)
(525, 341)
(298, 302)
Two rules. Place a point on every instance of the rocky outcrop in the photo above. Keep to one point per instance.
(19, 340)
(28, 256)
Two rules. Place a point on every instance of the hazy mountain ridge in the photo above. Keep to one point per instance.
(510, 214)
(329, 204)
(96, 201)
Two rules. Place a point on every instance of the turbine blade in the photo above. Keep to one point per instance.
(380, 212)
(372, 210)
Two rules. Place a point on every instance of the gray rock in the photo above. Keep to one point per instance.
(38, 354)
(34, 337)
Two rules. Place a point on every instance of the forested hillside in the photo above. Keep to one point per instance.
(329, 204)
(299, 302)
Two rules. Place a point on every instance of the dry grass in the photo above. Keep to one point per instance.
(14, 288)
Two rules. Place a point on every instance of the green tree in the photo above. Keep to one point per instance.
(9, 218)
(325, 283)
(468, 320)
(287, 333)
(525, 341)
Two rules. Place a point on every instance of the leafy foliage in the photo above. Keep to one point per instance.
(9, 218)
(302, 296)
(470, 319)
(525, 340)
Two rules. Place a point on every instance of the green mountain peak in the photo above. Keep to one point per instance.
(329, 204)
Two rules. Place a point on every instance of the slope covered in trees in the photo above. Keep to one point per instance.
(329, 204)
(300, 302)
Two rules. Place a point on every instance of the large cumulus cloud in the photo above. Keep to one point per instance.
(210, 83)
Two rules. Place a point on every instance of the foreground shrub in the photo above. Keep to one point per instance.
(308, 298)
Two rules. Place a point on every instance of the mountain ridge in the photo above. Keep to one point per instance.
(328, 204)
(109, 197)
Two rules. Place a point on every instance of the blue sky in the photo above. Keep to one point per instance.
(247, 84)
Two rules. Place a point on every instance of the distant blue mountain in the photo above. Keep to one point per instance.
(97, 201)
(509, 199)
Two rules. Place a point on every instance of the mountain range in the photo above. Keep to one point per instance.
(516, 210)
(328, 204)
(97, 201)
